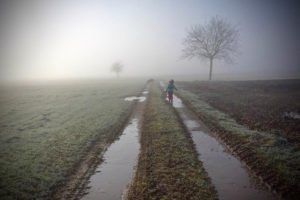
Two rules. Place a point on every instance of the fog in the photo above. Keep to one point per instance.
(82, 39)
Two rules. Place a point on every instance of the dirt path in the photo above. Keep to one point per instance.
(116, 158)
(230, 177)
(115, 173)
(168, 165)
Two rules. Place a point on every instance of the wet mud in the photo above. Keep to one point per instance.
(230, 177)
(114, 174)
(134, 98)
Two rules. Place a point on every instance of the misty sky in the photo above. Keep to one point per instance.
(81, 39)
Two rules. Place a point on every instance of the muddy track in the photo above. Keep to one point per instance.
(168, 167)
(114, 175)
(246, 152)
(74, 185)
(255, 164)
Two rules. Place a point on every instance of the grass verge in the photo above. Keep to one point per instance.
(270, 156)
(168, 167)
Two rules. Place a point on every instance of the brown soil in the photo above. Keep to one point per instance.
(260, 105)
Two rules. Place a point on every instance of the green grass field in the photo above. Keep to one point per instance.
(46, 128)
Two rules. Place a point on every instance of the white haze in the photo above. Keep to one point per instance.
(81, 39)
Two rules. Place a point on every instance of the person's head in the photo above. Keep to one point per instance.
(171, 81)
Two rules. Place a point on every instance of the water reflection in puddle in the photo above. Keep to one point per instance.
(116, 171)
(140, 99)
(177, 103)
(191, 124)
(227, 173)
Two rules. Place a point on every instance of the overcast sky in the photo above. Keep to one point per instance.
(81, 39)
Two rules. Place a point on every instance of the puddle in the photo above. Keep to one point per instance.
(140, 99)
(230, 178)
(177, 103)
(191, 124)
(115, 173)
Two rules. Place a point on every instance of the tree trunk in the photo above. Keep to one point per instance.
(210, 67)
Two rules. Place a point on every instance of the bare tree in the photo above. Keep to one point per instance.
(117, 67)
(216, 40)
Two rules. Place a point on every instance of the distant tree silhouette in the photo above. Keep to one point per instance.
(216, 40)
(117, 67)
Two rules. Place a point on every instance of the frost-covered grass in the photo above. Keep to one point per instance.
(273, 151)
(46, 128)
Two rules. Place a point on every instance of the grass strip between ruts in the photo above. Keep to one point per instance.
(168, 167)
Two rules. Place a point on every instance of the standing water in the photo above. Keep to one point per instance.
(230, 178)
(115, 173)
